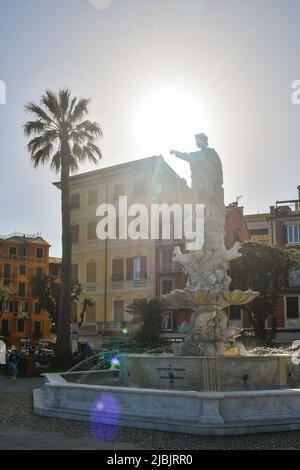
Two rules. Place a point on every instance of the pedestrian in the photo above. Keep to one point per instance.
(3, 355)
(14, 365)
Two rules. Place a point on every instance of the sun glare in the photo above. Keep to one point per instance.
(167, 119)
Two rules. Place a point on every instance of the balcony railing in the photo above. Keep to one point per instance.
(99, 327)
(137, 276)
(117, 277)
(170, 267)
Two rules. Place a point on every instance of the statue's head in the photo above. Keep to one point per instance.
(201, 141)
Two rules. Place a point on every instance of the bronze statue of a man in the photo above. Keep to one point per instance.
(207, 177)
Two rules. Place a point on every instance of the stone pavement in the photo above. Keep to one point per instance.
(15, 432)
(21, 429)
(12, 438)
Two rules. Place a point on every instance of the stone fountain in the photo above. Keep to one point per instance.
(207, 293)
(209, 385)
(210, 358)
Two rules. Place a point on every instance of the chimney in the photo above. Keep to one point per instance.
(272, 210)
(298, 192)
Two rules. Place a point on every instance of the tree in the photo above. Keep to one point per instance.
(85, 304)
(148, 314)
(263, 268)
(6, 294)
(62, 136)
(47, 292)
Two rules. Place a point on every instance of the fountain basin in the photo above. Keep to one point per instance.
(219, 373)
(192, 412)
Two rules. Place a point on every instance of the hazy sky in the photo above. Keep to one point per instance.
(152, 68)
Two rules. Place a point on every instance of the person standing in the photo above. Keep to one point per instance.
(14, 364)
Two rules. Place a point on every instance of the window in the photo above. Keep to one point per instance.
(7, 271)
(167, 260)
(39, 271)
(21, 326)
(22, 270)
(167, 321)
(140, 268)
(22, 289)
(119, 307)
(90, 315)
(136, 268)
(139, 187)
(37, 329)
(24, 307)
(54, 270)
(16, 308)
(75, 272)
(92, 198)
(37, 308)
(91, 272)
(91, 231)
(235, 313)
(5, 327)
(119, 190)
(293, 234)
(75, 233)
(118, 269)
(39, 253)
(12, 252)
(166, 286)
(292, 307)
(75, 201)
(294, 278)
(4, 306)
(74, 310)
(24, 252)
(129, 269)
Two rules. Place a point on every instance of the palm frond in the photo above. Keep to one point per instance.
(80, 110)
(60, 120)
(34, 127)
(96, 150)
(50, 101)
(42, 140)
(56, 162)
(64, 101)
(42, 156)
(39, 112)
(91, 128)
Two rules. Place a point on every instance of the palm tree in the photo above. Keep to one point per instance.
(147, 320)
(63, 137)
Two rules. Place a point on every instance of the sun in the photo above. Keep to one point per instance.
(167, 118)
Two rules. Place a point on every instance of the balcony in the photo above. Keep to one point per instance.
(292, 283)
(170, 268)
(91, 287)
(111, 326)
(139, 279)
(93, 329)
(117, 277)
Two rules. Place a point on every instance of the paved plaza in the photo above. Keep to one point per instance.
(20, 429)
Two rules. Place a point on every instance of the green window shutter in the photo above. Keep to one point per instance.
(284, 234)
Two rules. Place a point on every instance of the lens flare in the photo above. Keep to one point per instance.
(101, 4)
(115, 363)
(104, 418)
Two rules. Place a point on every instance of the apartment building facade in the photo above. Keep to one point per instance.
(21, 258)
(114, 273)
(280, 226)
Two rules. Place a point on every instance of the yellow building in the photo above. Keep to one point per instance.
(115, 272)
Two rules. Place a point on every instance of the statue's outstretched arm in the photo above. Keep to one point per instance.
(181, 155)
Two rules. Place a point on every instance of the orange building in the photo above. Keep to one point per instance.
(21, 258)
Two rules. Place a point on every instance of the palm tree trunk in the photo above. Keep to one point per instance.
(63, 345)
